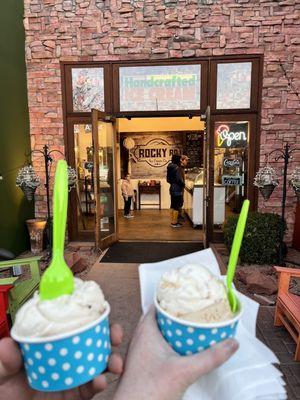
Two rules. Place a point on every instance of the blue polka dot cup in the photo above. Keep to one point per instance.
(187, 337)
(68, 360)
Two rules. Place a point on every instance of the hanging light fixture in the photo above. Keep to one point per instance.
(28, 181)
(295, 182)
(72, 178)
(266, 180)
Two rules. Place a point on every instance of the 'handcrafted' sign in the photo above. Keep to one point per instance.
(231, 135)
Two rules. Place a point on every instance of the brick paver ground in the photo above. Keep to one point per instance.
(121, 286)
(279, 341)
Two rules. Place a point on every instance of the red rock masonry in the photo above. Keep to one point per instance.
(95, 30)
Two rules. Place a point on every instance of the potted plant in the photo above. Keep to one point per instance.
(28, 181)
(266, 180)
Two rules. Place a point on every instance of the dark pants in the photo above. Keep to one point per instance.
(127, 205)
(176, 202)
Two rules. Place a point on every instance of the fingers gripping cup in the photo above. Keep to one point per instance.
(65, 361)
(63, 331)
(64, 342)
(192, 309)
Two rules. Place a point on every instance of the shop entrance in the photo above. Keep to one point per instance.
(145, 148)
(108, 149)
(156, 105)
(216, 176)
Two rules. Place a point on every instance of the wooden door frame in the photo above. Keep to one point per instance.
(107, 241)
(208, 86)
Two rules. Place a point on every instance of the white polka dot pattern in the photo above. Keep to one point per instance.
(187, 340)
(69, 362)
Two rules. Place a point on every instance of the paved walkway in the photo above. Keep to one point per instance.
(279, 341)
(121, 286)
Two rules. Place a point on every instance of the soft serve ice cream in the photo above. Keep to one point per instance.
(194, 294)
(37, 318)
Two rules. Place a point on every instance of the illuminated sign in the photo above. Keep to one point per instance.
(232, 180)
(231, 135)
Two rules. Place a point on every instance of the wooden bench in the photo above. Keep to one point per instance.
(288, 306)
(4, 323)
(23, 286)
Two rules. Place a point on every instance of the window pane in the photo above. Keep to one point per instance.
(234, 85)
(154, 88)
(88, 89)
(230, 169)
(106, 175)
(85, 185)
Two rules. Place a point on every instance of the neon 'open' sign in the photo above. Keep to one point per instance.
(231, 135)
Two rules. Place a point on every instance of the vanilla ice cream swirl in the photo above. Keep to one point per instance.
(192, 291)
(38, 318)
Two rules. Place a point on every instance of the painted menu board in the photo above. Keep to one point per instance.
(164, 87)
(194, 148)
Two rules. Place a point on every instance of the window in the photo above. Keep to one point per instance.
(87, 89)
(160, 88)
(234, 85)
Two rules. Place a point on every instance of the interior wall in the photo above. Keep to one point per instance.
(14, 128)
(141, 125)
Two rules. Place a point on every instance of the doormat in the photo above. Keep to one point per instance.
(146, 252)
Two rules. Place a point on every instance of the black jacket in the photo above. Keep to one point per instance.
(175, 179)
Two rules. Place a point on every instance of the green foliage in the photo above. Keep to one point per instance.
(261, 238)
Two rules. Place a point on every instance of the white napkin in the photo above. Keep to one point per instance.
(249, 374)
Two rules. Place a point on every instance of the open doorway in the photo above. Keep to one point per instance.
(145, 148)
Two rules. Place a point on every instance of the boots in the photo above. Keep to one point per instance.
(181, 215)
(171, 214)
(174, 221)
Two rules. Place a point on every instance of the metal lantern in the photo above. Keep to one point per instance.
(266, 180)
(28, 181)
(295, 182)
(72, 178)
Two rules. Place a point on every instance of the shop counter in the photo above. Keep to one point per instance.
(193, 203)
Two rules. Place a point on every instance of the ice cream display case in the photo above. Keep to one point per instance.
(193, 198)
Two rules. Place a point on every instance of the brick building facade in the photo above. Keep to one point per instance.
(97, 30)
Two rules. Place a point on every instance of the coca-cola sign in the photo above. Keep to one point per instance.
(231, 134)
(232, 162)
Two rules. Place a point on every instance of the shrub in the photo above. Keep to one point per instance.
(261, 238)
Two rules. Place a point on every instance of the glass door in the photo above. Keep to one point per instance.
(206, 179)
(234, 161)
(104, 138)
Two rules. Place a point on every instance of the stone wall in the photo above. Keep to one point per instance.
(95, 30)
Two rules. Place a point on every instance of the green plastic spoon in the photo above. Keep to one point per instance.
(234, 254)
(58, 279)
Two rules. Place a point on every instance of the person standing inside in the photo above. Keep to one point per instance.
(183, 164)
(175, 179)
(127, 193)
